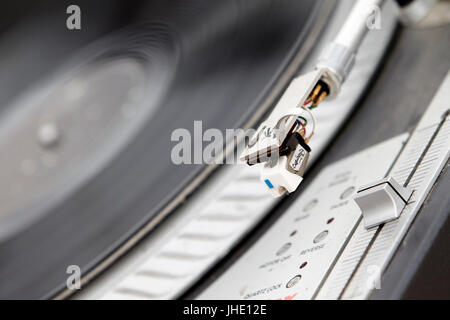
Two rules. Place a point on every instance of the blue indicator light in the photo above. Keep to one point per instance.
(269, 184)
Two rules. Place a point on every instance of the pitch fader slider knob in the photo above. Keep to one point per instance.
(381, 201)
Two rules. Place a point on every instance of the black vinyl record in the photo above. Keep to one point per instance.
(116, 90)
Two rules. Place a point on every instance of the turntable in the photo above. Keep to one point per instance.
(93, 205)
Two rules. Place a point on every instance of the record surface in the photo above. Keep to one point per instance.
(114, 103)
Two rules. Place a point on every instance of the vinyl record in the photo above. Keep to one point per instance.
(88, 163)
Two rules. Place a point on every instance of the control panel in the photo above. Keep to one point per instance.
(337, 238)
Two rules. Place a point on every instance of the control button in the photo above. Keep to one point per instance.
(293, 281)
(310, 205)
(381, 201)
(347, 192)
(284, 248)
(320, 236)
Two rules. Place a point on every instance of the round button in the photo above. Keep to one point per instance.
(347, 192)
(320, 236)
(284, 248)
(310, 205)
(293, 281)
